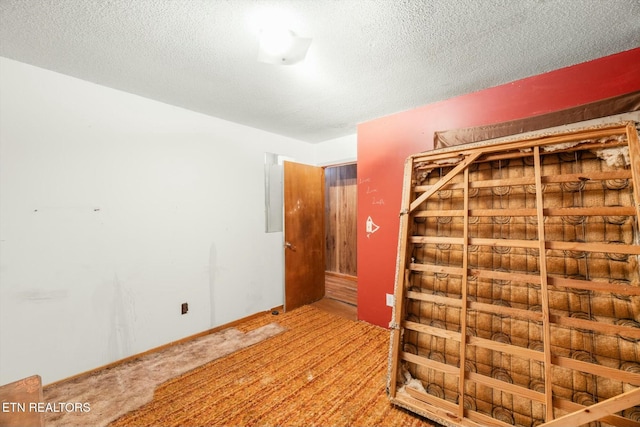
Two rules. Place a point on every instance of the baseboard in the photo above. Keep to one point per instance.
(164, 346)
(341, 287)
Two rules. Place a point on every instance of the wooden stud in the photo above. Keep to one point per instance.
(463, 311)
(634, 157)
(401, 277)
(546, 328)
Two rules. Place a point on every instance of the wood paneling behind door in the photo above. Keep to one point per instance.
(340, 219)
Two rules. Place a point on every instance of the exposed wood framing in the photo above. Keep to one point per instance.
(465, 302)
(460, 167)
(437, 329)
(546, 328)
(598, 410)
(398, 313)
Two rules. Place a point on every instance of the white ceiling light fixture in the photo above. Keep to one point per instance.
(281, 46)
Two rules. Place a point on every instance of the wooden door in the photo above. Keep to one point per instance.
(303, 234)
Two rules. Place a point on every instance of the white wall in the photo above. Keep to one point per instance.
(115, 209)
(336, 151)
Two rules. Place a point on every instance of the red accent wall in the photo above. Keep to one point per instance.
(385, 143)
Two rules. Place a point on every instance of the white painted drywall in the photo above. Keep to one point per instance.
(115, 209)
(337, 150)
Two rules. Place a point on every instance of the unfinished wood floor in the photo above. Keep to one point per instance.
(339, 308)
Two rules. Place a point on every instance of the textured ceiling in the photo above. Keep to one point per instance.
(368, 58)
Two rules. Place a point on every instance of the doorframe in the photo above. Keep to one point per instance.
(283, 242)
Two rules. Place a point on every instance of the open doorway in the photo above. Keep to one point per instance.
(341, 192)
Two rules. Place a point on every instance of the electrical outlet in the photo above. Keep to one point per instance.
(184, 308)
(390, 300)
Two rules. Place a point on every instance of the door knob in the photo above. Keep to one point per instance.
(288, 245)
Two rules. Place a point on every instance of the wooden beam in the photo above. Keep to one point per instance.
(431, 330)
(534, 244)
(599, 370)
(594, 211)
(591, 285)
(576, 136)
(595, 247)
(436, 239)
(507, 387)
(586, 176)
(525, 353)
(614, 420)
(501, 212)
(437, 213)
(577, 147)
(501, 310)
(436, 299)
(485, 420)
(592, 325)
(455, 171)
(507, 243)
(530, 180)
(501, 275)
(431, 268)
(428, 363)
(597, 411)
(531, 244)
(430, 399)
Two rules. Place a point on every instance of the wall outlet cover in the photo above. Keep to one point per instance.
(390, 300)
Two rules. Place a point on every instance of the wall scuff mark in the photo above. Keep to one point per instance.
(121, 337)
